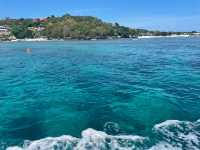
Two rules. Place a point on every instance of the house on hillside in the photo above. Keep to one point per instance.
(37, 31)
(5, 34)
(36, 28)
(4, 30)
(40, 20)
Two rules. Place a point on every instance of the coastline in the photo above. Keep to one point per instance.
(43, 39)
(30, 40)
(168, 36)
(137, 38)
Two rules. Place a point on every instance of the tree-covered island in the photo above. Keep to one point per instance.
(70, 27)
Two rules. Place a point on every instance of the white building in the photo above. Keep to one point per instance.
(4, 30)
(197, 33)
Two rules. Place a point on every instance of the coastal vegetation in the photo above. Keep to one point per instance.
(73, 27)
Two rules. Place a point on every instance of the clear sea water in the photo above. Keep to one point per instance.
(122, 87)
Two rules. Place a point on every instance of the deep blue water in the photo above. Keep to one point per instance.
(66, 87)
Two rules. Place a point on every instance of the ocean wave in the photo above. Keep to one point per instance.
(169, 135)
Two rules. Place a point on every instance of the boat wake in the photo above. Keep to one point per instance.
(169, 135)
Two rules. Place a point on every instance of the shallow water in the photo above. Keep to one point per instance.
(122, 87)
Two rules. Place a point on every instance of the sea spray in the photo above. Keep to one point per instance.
(169, 135)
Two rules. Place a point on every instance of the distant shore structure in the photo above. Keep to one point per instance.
(3, 29)
(5, 33)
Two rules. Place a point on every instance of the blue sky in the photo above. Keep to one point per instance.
(166, 15)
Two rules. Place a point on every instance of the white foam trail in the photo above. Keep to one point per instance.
(91, 140)
(169, 135)
(178, 134)
(49, 143)
(164, 146)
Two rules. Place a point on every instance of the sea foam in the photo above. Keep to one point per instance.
(169, 135)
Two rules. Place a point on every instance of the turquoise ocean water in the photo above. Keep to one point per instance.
(122, 87)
